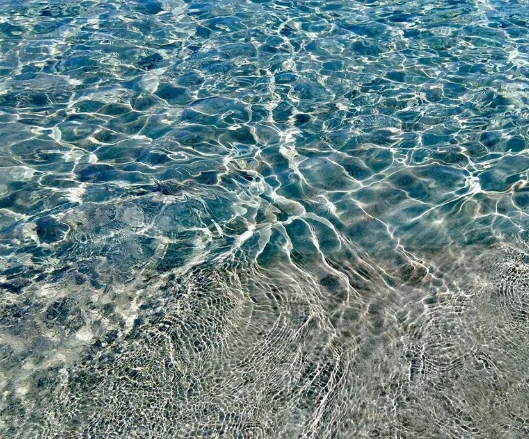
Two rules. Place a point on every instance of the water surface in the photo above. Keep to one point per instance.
(264, 219)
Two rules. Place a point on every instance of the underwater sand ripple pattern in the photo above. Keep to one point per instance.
(261, 219)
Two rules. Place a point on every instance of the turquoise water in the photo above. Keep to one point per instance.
(264, 219)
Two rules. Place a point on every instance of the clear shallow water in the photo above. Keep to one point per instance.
(264, 219)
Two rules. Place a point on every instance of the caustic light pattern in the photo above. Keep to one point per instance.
(253, 219)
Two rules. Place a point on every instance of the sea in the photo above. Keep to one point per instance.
(264, 219)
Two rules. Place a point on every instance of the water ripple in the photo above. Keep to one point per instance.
(260, 219)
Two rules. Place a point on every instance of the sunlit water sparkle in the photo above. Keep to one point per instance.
(264, 219)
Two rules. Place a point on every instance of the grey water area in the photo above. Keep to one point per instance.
(253, 219)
